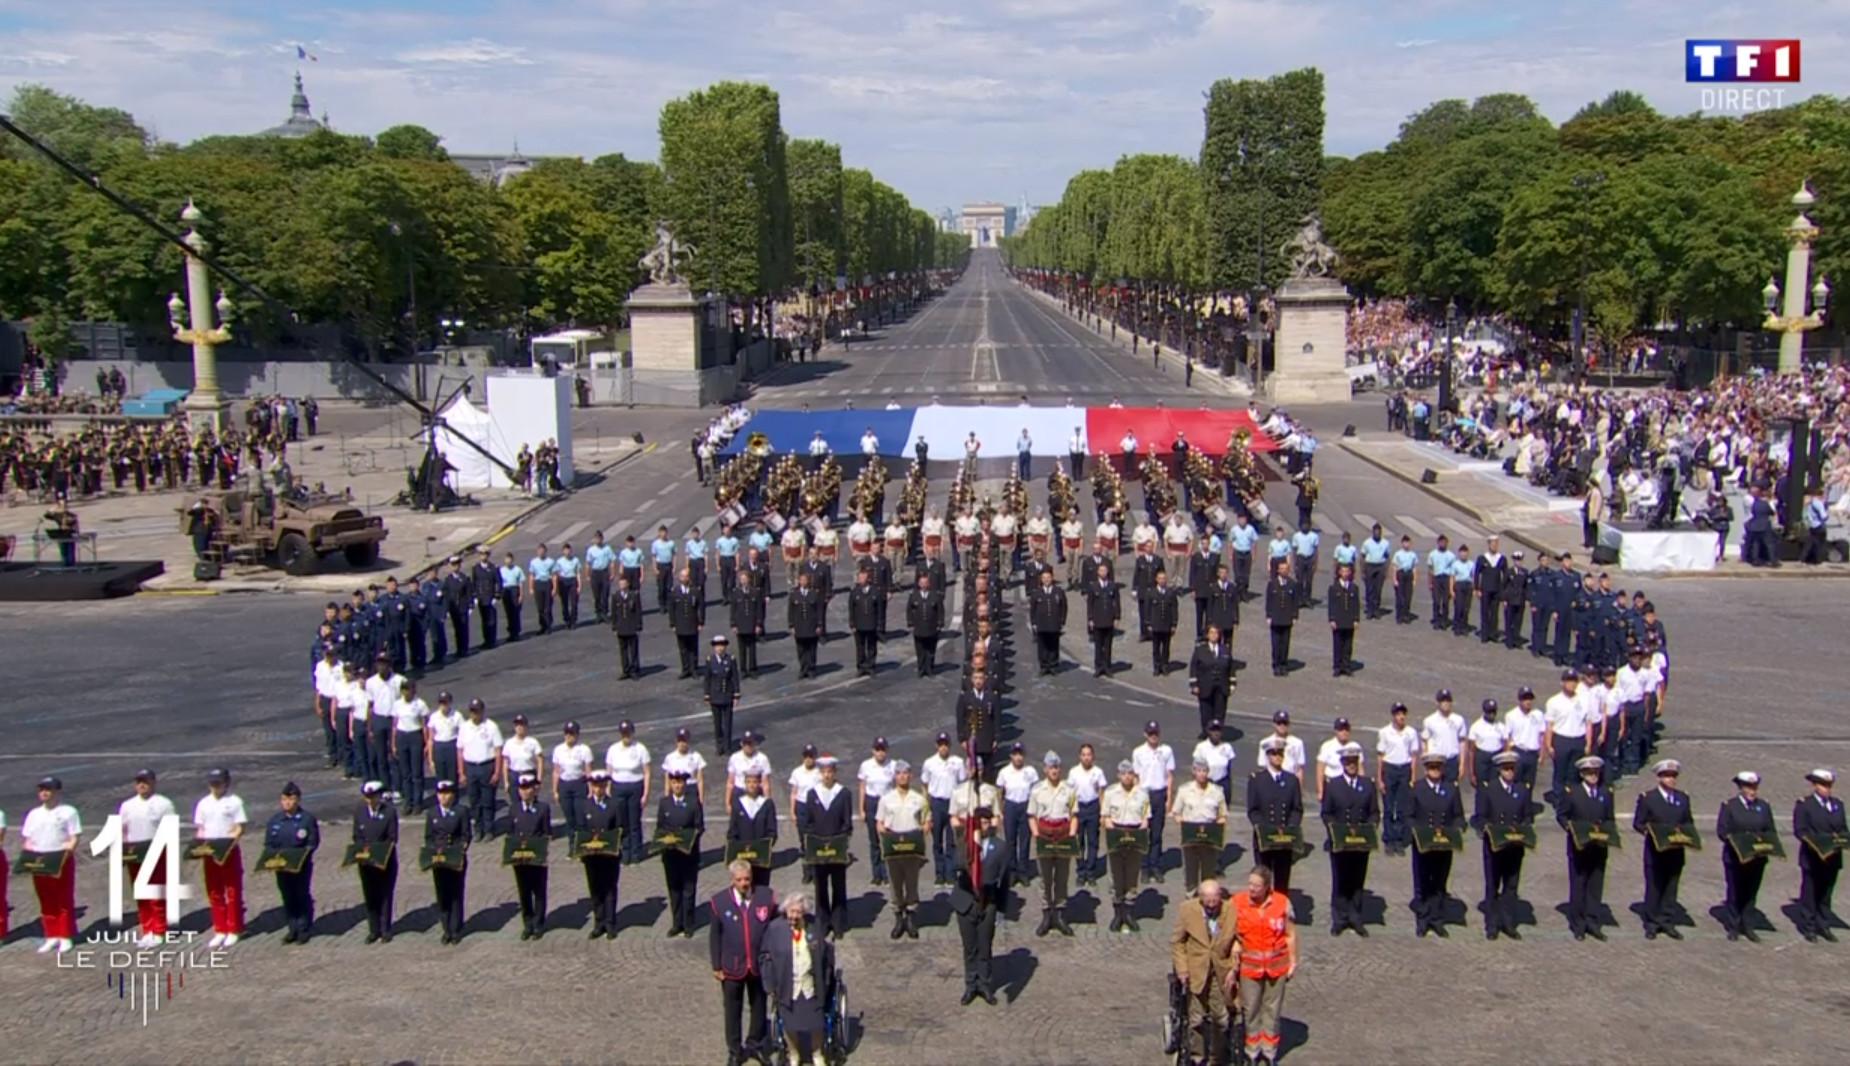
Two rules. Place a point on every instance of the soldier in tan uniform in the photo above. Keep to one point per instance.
(1124, 805)
(1199, 802)
(1053, 808)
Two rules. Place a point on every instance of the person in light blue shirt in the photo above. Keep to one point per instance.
(629, 561)
(1464, 582)
(694, 549)
(512, 577)
(1344, 553)
(661, 549)
(1304, 545)
(1375, 551)
(1404, 562)
(541, 584)
(1422, 420)
(726, 547)
(1439, 572)
(565, 571)
(1243, 536)
(1279, 547)
(762, 540)
(598, 560)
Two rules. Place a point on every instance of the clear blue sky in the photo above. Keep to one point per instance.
(948, 100)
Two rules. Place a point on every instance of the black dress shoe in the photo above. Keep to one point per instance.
(1650, 934)
(385, 938)
(1673, 932)
(969, 998)
(1439, 931)
(1512, 934)
(1490, 934)
(372, 938)
(1059, 923)
(989, 997)
(1825, 932)
(1733, 935)
(1580, 934)
(596, 931)
(1597, 933)
(289, 937)
(1811, 936)
(526, 934)
(1360, 929)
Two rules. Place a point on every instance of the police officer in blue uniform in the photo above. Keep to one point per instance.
(445, 826)
(485, 589)
(530, 817)
(1404, 560)
(395, 613)
(1502, 804)
(602, 869)
(1544, 602)
(1745, 812)
(376, 822)
(1374, 553)
(417, 625)
(542, 571)
(293, 827)
(567, 574)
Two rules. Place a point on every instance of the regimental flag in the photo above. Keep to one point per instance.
(303, 53)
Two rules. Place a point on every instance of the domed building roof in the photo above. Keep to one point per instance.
(301, 121)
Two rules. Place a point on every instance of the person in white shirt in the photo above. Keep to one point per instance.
(746, 759)
(408, 748)
(904, 809)
(521, 754)
(478, 745)
(1089, 783)
(628, 763)
(354, 709)
(1486, 739)
(1016, 782)
(1526, 725)
(1294, 746)
(382, 696)
(1443, 732)
(49, 828)
(1398, 744)
(142, 815)
(873, 780)
(440, 730)
(329, 676)
(1217, 753)
(1566, 739)
(870, 442)
(1155, 764)
(804, 777)
(218, 819)
(941, 773)
(688, 762)
(1330, 757)
(572, 761)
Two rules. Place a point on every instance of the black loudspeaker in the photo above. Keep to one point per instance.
(637, 437)
(1429, 477)
(1605, 555)
(205, 570)
(1348, 431)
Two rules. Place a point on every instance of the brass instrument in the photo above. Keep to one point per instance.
(1204, 487)
(1107, 486)
(1061, 502)
(822, 488)
(783, 485)
(912, 496)
(1015, 494)
(1159, 492)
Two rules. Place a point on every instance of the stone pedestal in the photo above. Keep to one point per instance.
(675, 360)
(1313, 314)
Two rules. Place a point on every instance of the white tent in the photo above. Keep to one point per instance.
(472, 469)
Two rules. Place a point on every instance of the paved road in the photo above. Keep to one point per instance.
(97, 690)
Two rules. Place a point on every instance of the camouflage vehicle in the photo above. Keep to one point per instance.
(293, 532)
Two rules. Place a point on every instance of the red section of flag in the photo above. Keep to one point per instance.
(1207, 431)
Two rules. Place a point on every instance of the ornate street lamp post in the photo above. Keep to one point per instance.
(205, 405)
(1793, 320)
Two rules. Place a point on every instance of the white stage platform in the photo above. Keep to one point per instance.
(1685, 551)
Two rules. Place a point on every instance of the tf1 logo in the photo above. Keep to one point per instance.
(1737, 61)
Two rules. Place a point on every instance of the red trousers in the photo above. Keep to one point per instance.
(225, 888)
(58, 901)
(152, 913)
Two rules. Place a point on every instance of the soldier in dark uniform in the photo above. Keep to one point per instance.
(1034, 568)
(719, 676)
(1143, 578)
(806, 609)
(828, 811)
(1433, 804)
(1281, 613)
(1492, 574)
(1746, 812)
(396, 612)
(485, 584)
(1514, 596)
(680, 810)
(626, 620)
(1348, 799)
(530, 817)
(1588, 803)
(1344, 602)
(822, 579)
(1666, 807)
(1162, 612)
(1544, 601)
(1274, 800)
(932, 568)
(1502, 804)
(1088, 567)
(1047, 614)
(447, 596)
(417, 625)
(977, 718)
(1210, 678)
(881, 566)
(925, 618)
(747, 605)
(445, 825)
(293, 827)
(1223, 604)
(376, 822)
(980, 896)
(1814, 819)
(684, 620)
(864, 610)
(754, 817)
(603, 870)
(1103, 609)
(1203, 568)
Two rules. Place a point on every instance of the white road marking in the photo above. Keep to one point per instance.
(572, 530)
(1412, 525)
(1322, 521)
(1460, 528)
(462, 533)
(617, 530)
(1366, 521)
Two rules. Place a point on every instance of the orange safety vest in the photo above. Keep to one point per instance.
(1263, 929)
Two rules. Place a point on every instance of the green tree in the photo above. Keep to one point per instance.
(91, 137)
(725, 187)
(411, 142)
(816, 211)
(1456, 212)
(575, 275)
(1262, 165)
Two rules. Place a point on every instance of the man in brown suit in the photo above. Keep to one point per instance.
(1202, 950)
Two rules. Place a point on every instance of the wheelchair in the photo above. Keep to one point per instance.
(836, 1041)
(1175, 1028)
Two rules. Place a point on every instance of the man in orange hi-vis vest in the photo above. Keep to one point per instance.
(1266, 945)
